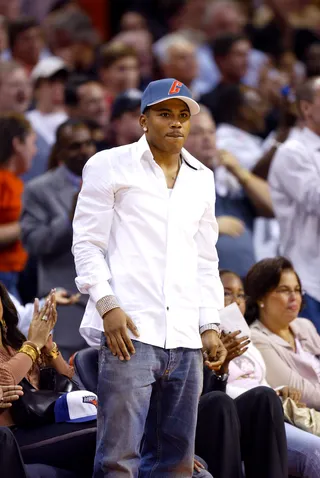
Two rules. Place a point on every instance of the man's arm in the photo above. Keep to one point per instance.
(9, 234)
(40, 235)
(91, 231)
(92, 223)
(210, 287)
(256, 189)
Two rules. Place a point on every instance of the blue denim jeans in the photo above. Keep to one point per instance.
(147, 412)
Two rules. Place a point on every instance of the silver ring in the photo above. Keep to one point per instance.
(45, 318)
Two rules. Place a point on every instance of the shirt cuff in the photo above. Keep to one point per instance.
(100, 290)
(208, 315)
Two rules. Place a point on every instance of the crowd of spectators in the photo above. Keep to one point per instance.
(67, 92)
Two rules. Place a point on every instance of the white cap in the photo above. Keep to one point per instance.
(48, 67)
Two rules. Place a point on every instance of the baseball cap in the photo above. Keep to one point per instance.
(74, 407)
(48, 67)
(167, 89)
(129, 100)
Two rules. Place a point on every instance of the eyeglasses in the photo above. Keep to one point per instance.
(230, 297)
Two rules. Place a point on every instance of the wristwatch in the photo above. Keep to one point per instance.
(214, 327)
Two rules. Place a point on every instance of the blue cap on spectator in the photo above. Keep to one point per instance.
(167, 89)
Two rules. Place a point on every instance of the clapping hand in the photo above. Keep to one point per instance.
(43, 321)
(63, 298)
(8, 394)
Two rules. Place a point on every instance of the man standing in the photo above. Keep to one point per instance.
(294, 180)
(144, 246)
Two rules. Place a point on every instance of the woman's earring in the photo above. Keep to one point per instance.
(262, 305)
(145, 129)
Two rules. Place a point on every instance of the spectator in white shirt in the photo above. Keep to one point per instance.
(49, 78)
(144, 245)
(295, 189)
(242, 115)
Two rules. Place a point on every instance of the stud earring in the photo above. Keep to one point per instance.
(262, 305)
(145, 129)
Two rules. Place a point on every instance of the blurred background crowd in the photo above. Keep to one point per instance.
(72, 74)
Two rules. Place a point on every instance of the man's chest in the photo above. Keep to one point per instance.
(144, 195)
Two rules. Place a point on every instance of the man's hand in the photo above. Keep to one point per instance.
(213, 349)
(230, 162)
(230, 226)
(116, 322)
(8, 394)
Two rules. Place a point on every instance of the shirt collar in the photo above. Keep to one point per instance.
(313, 138)
(143, 151)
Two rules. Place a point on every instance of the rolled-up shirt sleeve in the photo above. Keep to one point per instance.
(91, 228)
(211, 289)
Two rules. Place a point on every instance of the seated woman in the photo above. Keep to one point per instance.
(247, 371)
(70, 446)
(289, 345)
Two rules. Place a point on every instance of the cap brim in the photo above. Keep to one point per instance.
(192, 104)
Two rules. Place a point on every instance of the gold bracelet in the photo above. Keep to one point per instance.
(30, 351)
(55, 352)
(34, 346)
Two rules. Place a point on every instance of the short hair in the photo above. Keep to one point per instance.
(12, 125)
(112, 52)
(223, 44)
(306, 92)
(261, 279)
(71, 98)
(161, 50)
(18, 26)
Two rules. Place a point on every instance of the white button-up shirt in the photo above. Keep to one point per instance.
(294, 179)
(154, 251)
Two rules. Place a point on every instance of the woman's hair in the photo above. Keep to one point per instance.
(12, 125)
(223, 272)
(12, 337)
(262, 278)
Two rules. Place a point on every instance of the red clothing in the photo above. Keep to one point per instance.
(12, 258)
